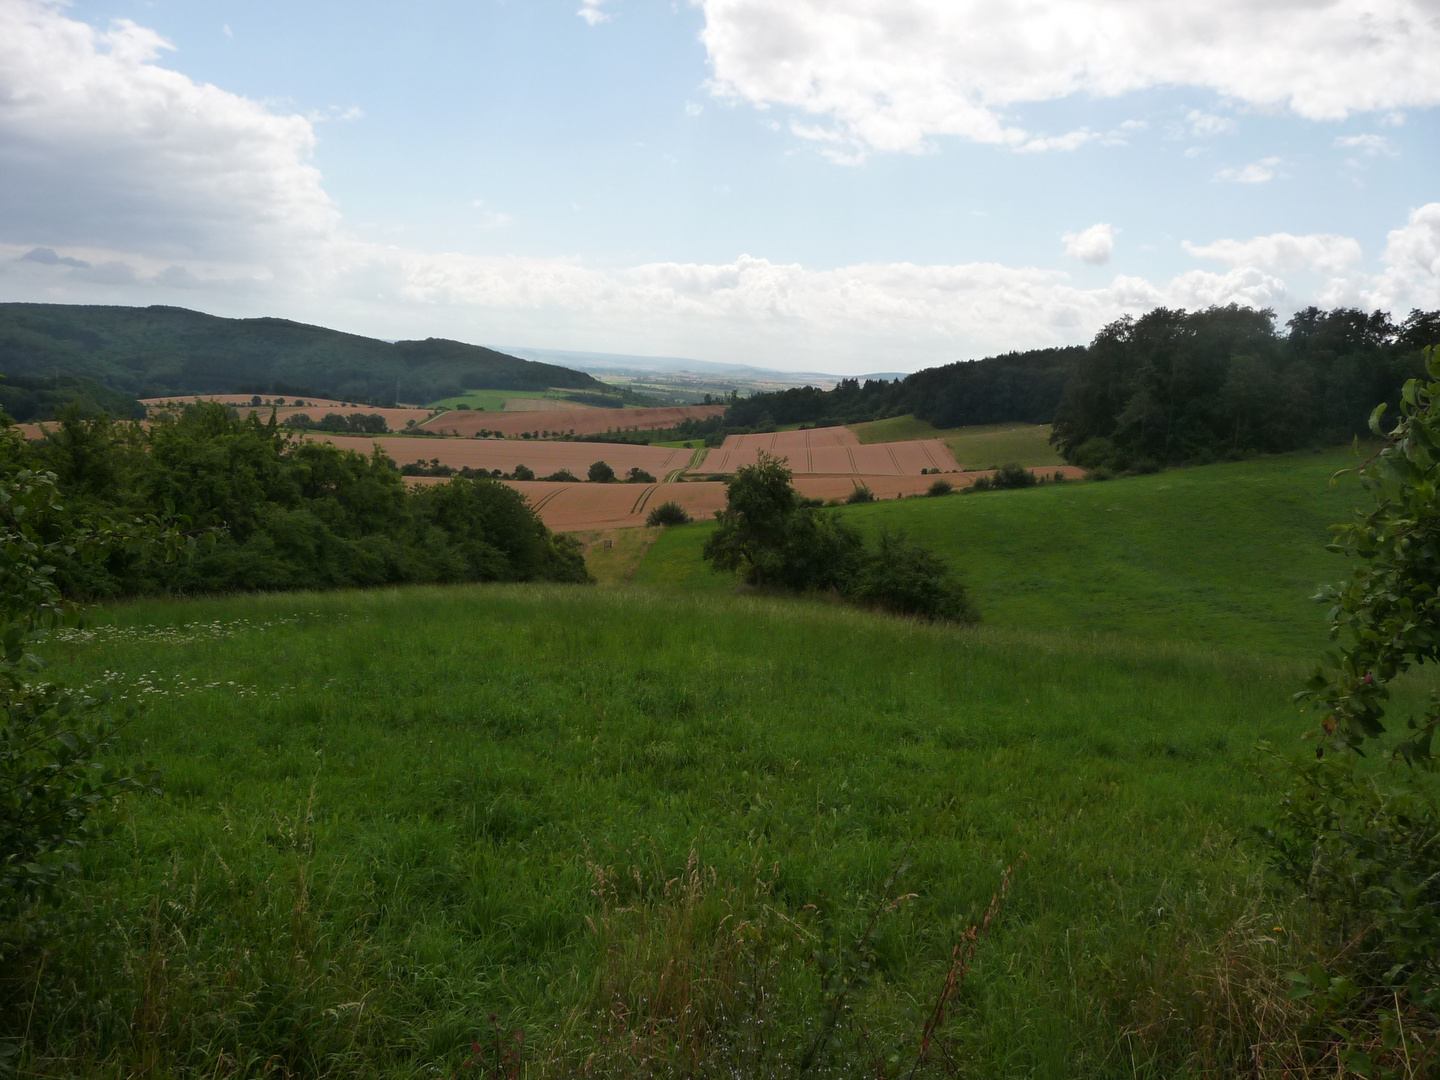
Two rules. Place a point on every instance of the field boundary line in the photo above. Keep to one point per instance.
(850, 453)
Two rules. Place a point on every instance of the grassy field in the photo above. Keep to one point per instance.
(648, 827)
(494, 400)
(979, 447)
(1221, 555)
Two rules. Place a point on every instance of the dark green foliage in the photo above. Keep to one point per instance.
(1365, 845)
(41, 397)
(563, 476)
(1005, 478)
(860, 494)
(776, 539)
(358, 423)
(523, 472)
(668, 513)
(601, 473)
(638, 475)
(427, 468)
(52, 739)
(940, 487)
(900, 576)
(293, 514)
(1176, 386)
(156, 351)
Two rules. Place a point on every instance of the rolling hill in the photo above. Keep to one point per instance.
(155, 351)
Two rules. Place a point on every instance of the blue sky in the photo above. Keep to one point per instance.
(841, 185)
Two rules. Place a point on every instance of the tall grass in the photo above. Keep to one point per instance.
(404, 825)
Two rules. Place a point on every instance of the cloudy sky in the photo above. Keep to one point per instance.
(832, 185)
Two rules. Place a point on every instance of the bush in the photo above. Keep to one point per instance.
(861, 494)
(941, 487)
(638, 475)
(600, 473)
(523, 473)
(1005, 477)
(562, 476)
(777, 539)
(1365, 846)
(668, 513)
(901, 577)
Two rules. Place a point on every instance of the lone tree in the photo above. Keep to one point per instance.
(600, 473)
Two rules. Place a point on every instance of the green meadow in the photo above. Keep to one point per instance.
(665, 829)
(490, 400)
(982, 446)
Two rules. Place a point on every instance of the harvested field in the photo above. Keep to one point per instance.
(581, 421)
(834, 451)
(504, 454)
(572, 507)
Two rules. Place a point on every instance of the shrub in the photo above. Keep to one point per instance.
(523, 473)
(562, 476)
(861, 494)
(1365, 845)
(941, 487)
(638, 475)
(600, 473)
(668, 513)
(902, 577)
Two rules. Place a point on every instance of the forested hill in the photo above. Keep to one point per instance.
(1171, 386)
(155, 351)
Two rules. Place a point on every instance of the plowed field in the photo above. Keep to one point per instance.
(504, 454)
(580, 421)
(833, 451)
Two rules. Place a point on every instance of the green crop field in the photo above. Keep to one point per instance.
(652, 824)
(980, 447)
(493, 400)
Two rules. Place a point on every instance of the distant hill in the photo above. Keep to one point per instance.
(156, 351)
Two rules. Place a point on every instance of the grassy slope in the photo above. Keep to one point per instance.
(979, 447)
(1225, 555)
(467, 747)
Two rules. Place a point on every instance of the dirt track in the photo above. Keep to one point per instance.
(833, 452)
(580, 421)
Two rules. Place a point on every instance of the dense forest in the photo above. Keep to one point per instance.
(1167, 387)
(157, 351)
(275, 512)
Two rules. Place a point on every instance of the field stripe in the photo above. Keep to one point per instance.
(639, 507)
(890, 449)
(547, 499)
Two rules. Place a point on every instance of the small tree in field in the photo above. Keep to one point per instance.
(601, 473)
(1364, 843)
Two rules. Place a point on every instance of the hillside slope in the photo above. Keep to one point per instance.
(155, 351)
(1221, 555)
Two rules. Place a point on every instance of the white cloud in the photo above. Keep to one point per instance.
(100, 145)
(1369, 145)
(1093, 245)
(128, 183)
(591, 13)
(891, 74)
(1203, 124)
(1282, 252)
(1257, 172)
(1412, 256)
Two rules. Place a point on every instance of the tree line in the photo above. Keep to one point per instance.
(1168, 387)
(278, 512)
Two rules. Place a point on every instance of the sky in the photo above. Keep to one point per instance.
(843, 186)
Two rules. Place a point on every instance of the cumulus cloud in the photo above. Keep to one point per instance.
(1257, 172)
(1093, 245)
(101, 146)
(591, 12)
(1412, 255)
(890, 74)
(157, 189)
(1369, 145)
(1282, 252)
